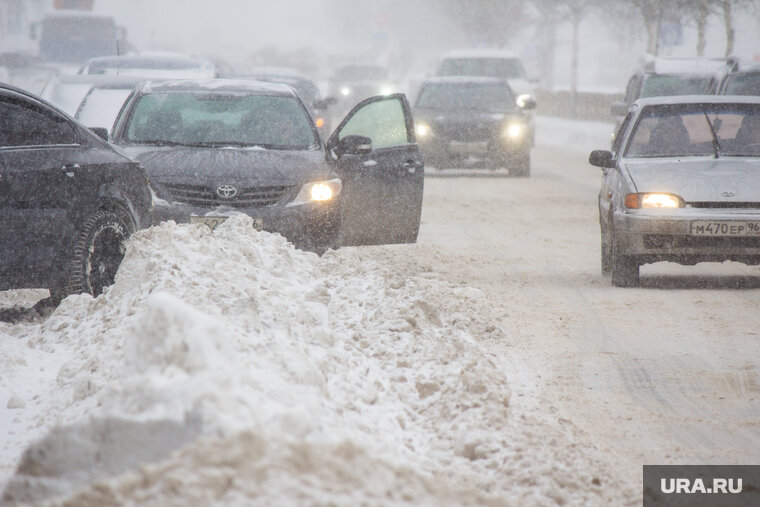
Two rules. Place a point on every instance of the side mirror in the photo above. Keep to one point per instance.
(100, 132)
(601, 158)
(526, 102)
(619, 109)
(354, 145)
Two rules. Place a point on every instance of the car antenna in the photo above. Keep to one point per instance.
(715, 143)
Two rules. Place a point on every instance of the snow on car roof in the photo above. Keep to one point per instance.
(480, 53)
(699, 99)
(464, 80)
(218, 85)
(683, 65)
(150, 61)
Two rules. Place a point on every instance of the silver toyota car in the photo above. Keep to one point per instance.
(681, 184)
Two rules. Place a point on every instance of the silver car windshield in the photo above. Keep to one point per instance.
(676, 131)
(221, 119)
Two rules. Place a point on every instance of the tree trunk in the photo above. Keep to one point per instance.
(728, 19)
(574, 65)
(702, 15)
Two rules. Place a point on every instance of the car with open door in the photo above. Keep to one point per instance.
(69, 200)
(213, 148)
(681, 185)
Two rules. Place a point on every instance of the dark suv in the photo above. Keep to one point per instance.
(69, 200)
(473, 121)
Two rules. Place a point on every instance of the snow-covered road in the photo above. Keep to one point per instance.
(489, 363)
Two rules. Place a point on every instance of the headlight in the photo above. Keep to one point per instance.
(386, 90)
(514, 131)
(653, 200)
(345, 91)
(318, 191)
(423, 130)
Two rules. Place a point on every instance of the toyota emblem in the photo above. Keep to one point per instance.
(226, 191)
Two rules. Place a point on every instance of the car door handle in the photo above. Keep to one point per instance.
(70, 170)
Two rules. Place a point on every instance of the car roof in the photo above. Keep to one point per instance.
(98, 80)
(480, 53)
(148, 61)
(698, 99)
(218, 85)
(681, 65)
(465, 80)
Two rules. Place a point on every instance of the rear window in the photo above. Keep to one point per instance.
(663, 85)
(509, 68)
(743, 84)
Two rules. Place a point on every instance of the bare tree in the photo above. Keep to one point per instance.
(489, 22)
(546, 17)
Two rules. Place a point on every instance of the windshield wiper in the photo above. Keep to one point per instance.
(715, 142)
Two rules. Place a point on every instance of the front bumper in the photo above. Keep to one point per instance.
(688, 235)
(311, 226)
(441, 150)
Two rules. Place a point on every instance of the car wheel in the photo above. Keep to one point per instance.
(521, 166)
(98, 252)
(606, 254)
(625, 268)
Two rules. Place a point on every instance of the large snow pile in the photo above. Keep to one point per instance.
(230, 368)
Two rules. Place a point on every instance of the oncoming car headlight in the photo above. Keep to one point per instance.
(318, 191)
(386, 90)
(514, 131)
(653, 200)
(345, 91)
(423, 130)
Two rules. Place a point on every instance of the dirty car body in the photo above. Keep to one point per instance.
(68, 203)
(681, 184)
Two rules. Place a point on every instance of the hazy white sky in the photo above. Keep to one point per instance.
(320, 30)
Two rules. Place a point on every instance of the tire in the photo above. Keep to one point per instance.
(98, 252)
(606, 255)
(521, 167)
(625, 268)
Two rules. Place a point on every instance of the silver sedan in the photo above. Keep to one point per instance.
(681, 184)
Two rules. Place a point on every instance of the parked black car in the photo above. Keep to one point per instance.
(217, 147)
(69, 200)
(463, 121)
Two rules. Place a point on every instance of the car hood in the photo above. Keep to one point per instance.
(231, 165)
(460, 116)
(520, 85)
(700, 180)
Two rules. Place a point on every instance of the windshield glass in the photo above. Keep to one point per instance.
(743, 84)
(491, 67)
(475, 96)
(663, 85)
(101, 106)
(361, 73)
(221, 119)
(673, 131)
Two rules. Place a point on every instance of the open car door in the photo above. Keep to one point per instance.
(375, 153)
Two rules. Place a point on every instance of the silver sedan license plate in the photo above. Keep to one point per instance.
(214, 221)
(725, 228)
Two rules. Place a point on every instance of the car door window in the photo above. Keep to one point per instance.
(382, 121)
(24, 124)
